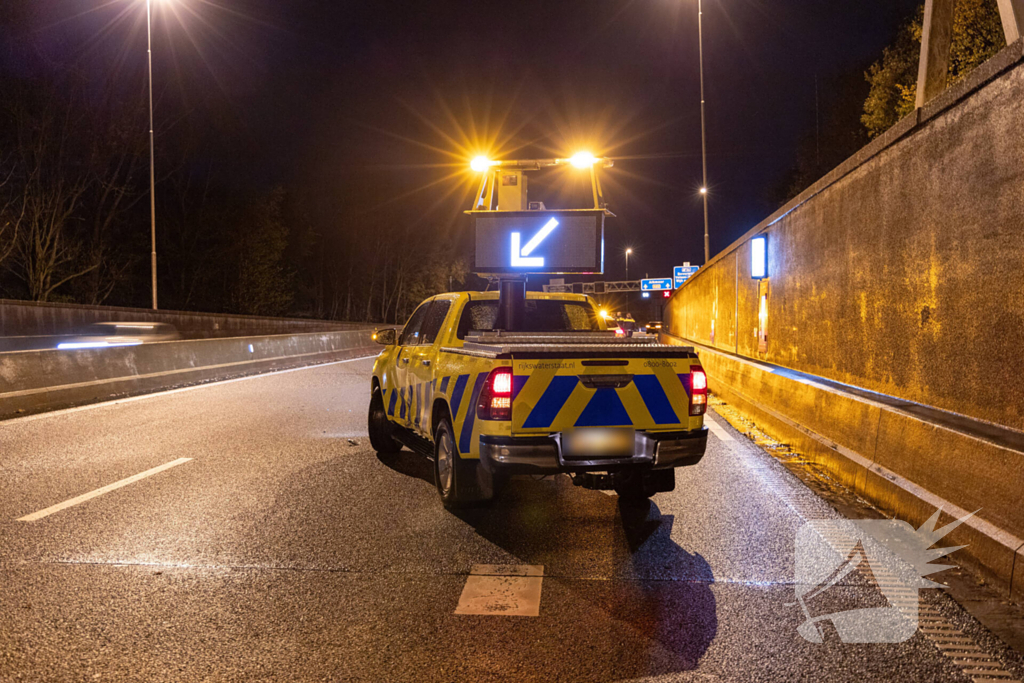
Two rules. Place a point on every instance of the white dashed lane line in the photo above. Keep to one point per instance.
(100, 491)
(718, 430)
(510, 590)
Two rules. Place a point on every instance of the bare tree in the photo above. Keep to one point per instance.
(115, 160)
(10, 216)
(44, 198)
(43, 191)
(45, 254)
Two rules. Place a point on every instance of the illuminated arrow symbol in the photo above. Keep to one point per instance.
(519, 259)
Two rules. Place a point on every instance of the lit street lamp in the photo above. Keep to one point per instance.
(152, 153)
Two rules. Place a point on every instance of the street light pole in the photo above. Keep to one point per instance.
(703, 143)
(628, 294)
(152, 153)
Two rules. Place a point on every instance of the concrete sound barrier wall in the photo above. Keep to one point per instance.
(899, 273)
(892, 453)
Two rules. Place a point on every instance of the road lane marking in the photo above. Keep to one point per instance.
(156, 394)
(100, 491)
(509, 590)
(718, 430)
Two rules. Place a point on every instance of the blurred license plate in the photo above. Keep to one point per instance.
(598, 442)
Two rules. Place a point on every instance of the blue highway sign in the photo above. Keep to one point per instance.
(683, 273)
(656, 284)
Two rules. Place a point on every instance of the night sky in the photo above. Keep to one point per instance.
(372, 110)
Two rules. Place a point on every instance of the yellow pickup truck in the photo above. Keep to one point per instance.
(563, 395)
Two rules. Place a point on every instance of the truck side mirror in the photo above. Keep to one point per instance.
(384, 337)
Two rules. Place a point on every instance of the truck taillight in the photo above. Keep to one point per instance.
(496, 396)
(502, 382)
(698, 390)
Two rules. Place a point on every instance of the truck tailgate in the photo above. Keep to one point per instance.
(556, 394)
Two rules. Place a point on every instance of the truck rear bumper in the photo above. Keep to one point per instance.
(542, 454)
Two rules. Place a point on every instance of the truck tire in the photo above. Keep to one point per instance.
(379, 427)
(636, 486)
(460, 483)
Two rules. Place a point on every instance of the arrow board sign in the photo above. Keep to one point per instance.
(541, 242)
(519, 254)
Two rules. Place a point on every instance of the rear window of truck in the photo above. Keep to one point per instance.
(542, 315)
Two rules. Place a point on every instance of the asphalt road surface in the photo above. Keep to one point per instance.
(268, 541)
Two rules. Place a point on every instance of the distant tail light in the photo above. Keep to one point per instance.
(698, 390)
(496, 396)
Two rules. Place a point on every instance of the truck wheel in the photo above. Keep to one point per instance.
(458, 481)
(379, 427)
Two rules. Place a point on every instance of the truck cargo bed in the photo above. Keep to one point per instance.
(569, 345)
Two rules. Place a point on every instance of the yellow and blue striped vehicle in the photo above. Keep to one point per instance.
(563, 395)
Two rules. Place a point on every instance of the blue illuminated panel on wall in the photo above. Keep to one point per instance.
(759, 257)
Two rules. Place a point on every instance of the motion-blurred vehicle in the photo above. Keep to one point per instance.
(102, 335)
(653, 327)
(624, 326)
(564, 394)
